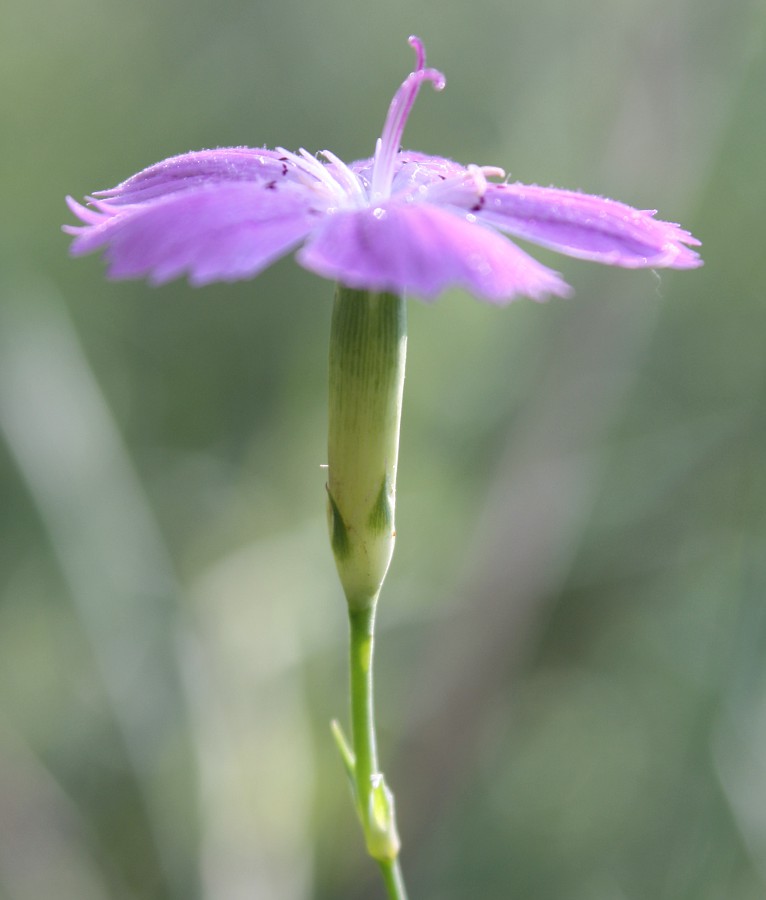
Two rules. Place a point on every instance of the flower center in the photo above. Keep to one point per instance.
(389, 142)
(334, 182)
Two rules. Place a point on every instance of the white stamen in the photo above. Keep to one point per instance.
(464, 190)
(479, 174)
(314, 174)
(312, 165)
(345, 176)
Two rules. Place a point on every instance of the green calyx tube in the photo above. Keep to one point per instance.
(368, 344)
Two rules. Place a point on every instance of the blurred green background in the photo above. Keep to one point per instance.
(570, 674)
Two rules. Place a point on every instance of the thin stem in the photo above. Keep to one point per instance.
(392, 876)
(374, 801)
(362, 625)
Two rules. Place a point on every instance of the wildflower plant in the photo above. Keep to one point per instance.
(398, 223)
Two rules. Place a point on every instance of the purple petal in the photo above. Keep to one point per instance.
(84, 214)
(227, 164)
(588, 227)
(423, 249)
(221, 232)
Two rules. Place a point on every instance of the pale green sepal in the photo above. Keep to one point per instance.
(380, 828)
(344, 748)
(347, 758)
(381, 519)
(339, 542)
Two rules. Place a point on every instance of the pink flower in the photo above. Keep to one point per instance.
(400, 221)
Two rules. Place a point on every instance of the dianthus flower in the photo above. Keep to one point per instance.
(395, 224)
(399, 222)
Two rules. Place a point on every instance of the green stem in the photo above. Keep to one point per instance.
(362, 624)
(374, 800)
(392, 876)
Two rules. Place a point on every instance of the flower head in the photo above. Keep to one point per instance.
(400, 221)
